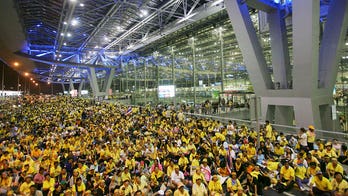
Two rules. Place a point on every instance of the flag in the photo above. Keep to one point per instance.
(129, 110)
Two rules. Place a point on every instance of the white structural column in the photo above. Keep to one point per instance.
(249, 45)
(80, 86)
(332, 41)
(71, 85)
(63, 87)
(280, 51)
(108, 80)
(305, 17)
(93, 81)
(308, 100)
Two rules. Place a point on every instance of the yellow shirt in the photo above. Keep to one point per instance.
(125, 176)
(233, 184)
(6, 182)
(25, 188)
(312, 172)
(323, 185)
(287, 173)
(272, 166)
(339, 187)
(183, 161)
(128, 190)
(301, 172)
(310, 136)
(279, 151)
(179, 193)
(215, 186)
(251, 151)
(268, 131)
(48, 184)
(331, 169)
(195, 176)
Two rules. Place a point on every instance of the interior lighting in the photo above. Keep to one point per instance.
(16, 64)
(65, 23)
(346, 43)
(144, 13)
(62, 34)
(186, 18)
(82, 5)
(74, 22)
(216, 2)
(68, 34)
(26, 74)
(64, 43)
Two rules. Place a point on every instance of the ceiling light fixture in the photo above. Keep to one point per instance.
(143, 13)
(74, 22)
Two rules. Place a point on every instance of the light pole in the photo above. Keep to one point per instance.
(2, 79)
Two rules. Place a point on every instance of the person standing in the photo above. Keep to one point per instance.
(311, 137)
(302, 139)
(269, 130)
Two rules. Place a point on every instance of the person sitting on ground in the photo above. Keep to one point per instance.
(320, 186)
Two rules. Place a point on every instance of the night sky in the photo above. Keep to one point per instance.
(11, 77)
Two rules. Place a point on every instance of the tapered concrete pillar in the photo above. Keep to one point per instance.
(303, 91)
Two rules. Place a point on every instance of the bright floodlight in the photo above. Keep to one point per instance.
(82, 5)
(74, 22)
(26, 74)
(68, 34)
(15, 63)
(143, 13)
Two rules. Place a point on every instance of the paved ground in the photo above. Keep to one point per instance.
(292, 192)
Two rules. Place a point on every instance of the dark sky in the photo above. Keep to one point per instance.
(11, 77)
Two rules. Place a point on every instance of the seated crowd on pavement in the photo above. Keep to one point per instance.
(58, 145)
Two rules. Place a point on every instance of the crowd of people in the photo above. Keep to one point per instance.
(63, 146)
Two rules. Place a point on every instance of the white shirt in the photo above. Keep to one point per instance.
(303, 139)
(177, 177)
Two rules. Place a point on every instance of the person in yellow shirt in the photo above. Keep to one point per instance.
(312, 169)
(125, 174)
(269, 130)
(278, 150)
(180, 191)
(198, 175)
(24, 189)
(251, 151)
(301, 174)
(48, 184)
(198, 188)
(183, 161)
(339, 185)
(329, 151)
(311, 137)
(233, 183)
(333, 167)
(287, 176)
(215, 185)
(126, 187)
(5, 183)
(322, 187)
